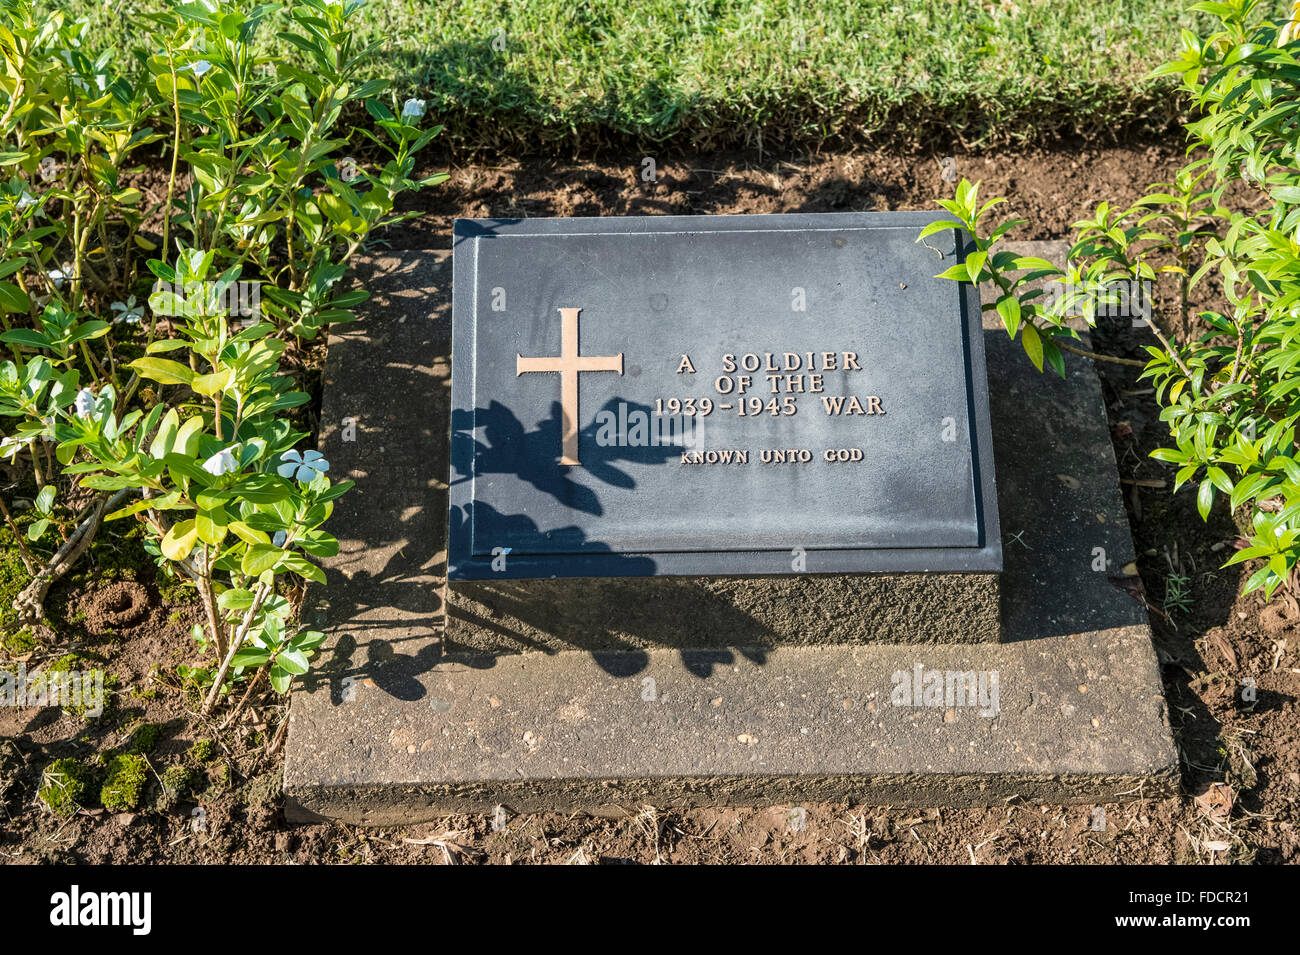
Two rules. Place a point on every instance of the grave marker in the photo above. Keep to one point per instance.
(756, 419)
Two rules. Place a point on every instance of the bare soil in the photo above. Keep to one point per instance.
(1241, 759)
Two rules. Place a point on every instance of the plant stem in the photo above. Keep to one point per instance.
(28, 561)
(258, 598)
(248, 695)
(1115, 359)
(30, 604)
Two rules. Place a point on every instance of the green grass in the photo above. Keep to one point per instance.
(719, 73)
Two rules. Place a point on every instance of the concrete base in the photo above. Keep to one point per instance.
(625, 613)
(390, 729)
(1073, 722)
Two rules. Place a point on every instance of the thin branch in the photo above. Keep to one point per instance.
(30, 604)
(1115, 359)
(29, 561)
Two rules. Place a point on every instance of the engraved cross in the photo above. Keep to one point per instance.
(569, 363)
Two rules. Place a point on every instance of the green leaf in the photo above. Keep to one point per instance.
(1009, 308)
(280, 679)
(25, 336)
(187, 438)
(211, 526)
(942, 225)
(302, 566)
(259, 558)
(308, 640)
(13, 299)
(295, 661)
(1257, 580)
(1219, 479)
(162, 442)
(179, 541)
(1054, 357)
(1247, 554)
(1033, 345)
(213, 384)
(957, 273)
(250, 535)
(252, 657)
(157, 503)
(163, 370)
(1205, 499)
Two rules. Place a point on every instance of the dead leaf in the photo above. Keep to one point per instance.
(1216, 802)
(1224, 648)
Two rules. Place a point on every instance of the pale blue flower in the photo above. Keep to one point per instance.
(413, 109)
(302, 467)
(129, 312)
(85, 403)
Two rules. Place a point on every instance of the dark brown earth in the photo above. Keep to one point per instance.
(1241, 760)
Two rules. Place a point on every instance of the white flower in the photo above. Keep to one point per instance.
(413, 109)
(302, 467)
(223, 462)
(9, 447)
(279, 538)
(85, 403)
(26, 201)
(199, 67)
(58, 277)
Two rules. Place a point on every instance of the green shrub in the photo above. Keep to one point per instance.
(147, 367)
(1231, 397)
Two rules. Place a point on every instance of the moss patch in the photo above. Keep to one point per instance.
(145, 738)
(18, 642)
(124, 783)
(178, 783)
(13, 577)
(66, 786)
(202, 751)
